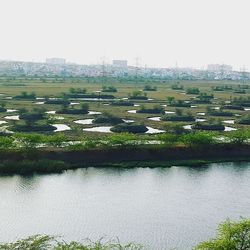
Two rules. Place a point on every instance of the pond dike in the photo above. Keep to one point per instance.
(107, 157)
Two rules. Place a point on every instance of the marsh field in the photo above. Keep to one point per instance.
(162, 98)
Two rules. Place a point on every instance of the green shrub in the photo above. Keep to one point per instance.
(231, 236)
(129, 128)
(198, 139)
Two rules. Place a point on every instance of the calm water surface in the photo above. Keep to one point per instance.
(164, 208)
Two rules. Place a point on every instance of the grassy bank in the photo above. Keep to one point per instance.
(46, 161)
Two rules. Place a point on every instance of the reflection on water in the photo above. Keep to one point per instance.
(163, 208)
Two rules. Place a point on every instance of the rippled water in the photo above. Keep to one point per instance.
(163, 208)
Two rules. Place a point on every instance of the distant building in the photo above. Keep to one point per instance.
(120, 63)
(55, 61)
(219, 67)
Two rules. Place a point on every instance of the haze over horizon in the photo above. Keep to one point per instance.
(161, 32)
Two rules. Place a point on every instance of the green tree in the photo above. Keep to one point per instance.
(231, 236)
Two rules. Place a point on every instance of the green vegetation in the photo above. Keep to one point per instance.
(109, 89)
(138, 95)
(179, 116)
(108, 118)
(34, 120)
(177, 87)
(149, 88)
(155, 110)
(25, 96)
(178, 103)
(209, 126)
(57, 101)
(122, 103)
(244, 120)
(192, 91)
(130, 128)
(45, 242)
(234, 107)
(231, 236)
(241, 101)
(78, 90)
(219, 112)
(222, 88)
(84, 109)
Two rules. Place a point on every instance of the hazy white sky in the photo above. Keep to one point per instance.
(160, 32)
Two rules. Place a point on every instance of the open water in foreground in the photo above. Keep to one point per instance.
(162, 208)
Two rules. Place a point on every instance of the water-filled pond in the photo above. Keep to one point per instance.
(162, 208)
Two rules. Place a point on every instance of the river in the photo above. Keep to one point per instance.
(162, 208)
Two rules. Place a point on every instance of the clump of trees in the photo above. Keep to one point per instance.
(129, 128)
(211, 124)
(138, 95)
(222, 88)
(149, 88)
(34, 120)
(177, 87)
(245, 120)
(219, 112)
(233, 107)
(2, 107)
(109, 89)
(157, 109)
(25, 96)
(178, 103)
(178, 116)
(203, 98)
(65, 109)
(108, 118)
(241, 101)
(122, 103)
(192, 91)
(78, 90)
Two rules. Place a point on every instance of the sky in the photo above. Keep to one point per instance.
(161, 33)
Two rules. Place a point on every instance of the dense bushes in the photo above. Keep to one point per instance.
(234, 107)
(108, 118)
(122, 103)
(179, 118)
(192, 91)
(245, 120)
(57, 101)
(219, 112)
(129, 128)
(66, 110)
(109, 89)
(179, 103)
(177, 87)
(154, 110)
(198, 139)
(207, 126)
(25, 96)
(138, 95)
(149, 88)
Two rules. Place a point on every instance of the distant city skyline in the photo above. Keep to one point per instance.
(163, 33)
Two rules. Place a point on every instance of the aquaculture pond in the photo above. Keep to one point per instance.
(162, 208)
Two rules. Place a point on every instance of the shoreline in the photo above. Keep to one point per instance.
(45, 161)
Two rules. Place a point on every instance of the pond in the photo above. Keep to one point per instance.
(162, 208)
(61, 127)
